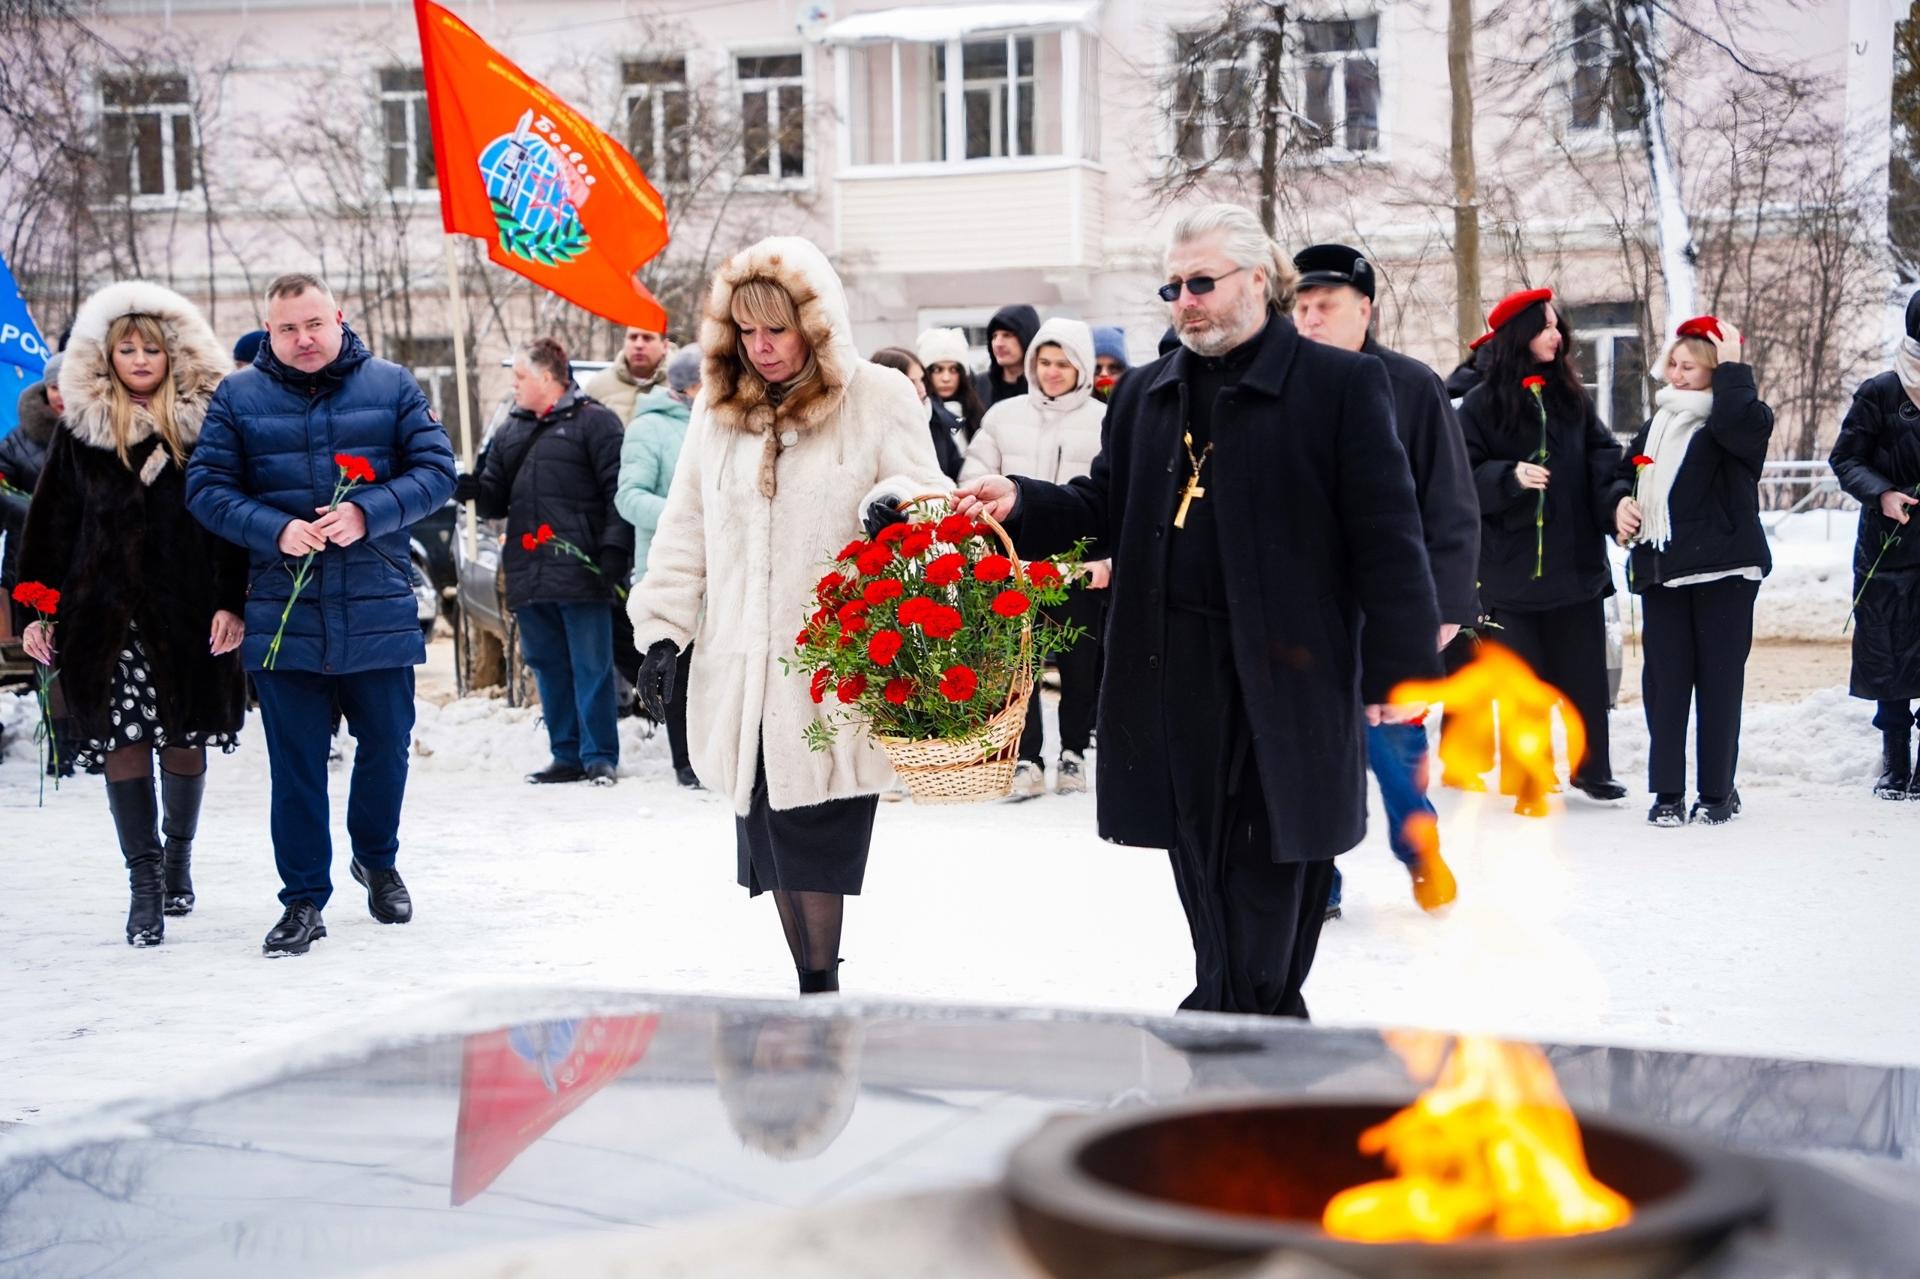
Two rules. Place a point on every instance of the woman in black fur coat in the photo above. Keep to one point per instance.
(149, 622)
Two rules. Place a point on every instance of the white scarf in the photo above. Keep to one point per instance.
(1906, 363)
(1679, 416)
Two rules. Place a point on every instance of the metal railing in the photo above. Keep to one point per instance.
(1787, 488)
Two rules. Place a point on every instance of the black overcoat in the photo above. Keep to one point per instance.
(1319, 531)
(1879, 449)
(1437, 452)
(1713, 509)
(1586, 487)
(560, 469)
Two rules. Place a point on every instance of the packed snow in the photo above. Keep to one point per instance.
(1787, 933)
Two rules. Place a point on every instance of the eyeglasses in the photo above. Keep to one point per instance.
(1198, 285)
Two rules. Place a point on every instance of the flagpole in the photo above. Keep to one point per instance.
(457, 305)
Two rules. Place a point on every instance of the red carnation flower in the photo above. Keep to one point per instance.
(357, 469)
(49, 601)
(914, 611)
(1044, 574)
(946, 569)
(1641, 459)
(853, 617)
(884, 647)
(874, 559)
(851, 550)
(1011, 604)
(955, 529)
(941, 622)
(543, 534)
(898, 691)
(817, 688)
(850, 689)
(37, 596)
(959, 684)
(528, 542)
(883, 590)
(891, 534)
(830, 586)
(916, 543)
(994, 568)
(1534, 383)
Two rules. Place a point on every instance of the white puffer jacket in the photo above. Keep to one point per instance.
(763, 498)
(1045, 438)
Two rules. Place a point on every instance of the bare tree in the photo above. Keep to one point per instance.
(1466, 186)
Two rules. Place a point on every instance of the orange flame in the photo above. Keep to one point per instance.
(1433, 883)
(1490, 1148)
(1526, 705)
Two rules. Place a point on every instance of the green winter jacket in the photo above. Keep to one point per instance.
(648, 455)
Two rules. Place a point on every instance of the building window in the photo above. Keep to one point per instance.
(997, 96)
(1611, 356)
(654, 103)
(146, 134)
(406, 127)
(773, 115)
(1340, 79)
(1605, 93)
(1212, 98)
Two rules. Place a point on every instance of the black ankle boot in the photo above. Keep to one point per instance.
(1897, 757)
(180, 796)
(137, 819)
(820, 981)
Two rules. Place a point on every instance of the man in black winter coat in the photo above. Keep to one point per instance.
(552, 472)
(1009, 334)
(1270, 588)
(1335, 305)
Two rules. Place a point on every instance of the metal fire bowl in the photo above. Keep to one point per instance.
(1163, 1190)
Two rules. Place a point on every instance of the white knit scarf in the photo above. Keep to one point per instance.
(1906, 363)
(1678, 417)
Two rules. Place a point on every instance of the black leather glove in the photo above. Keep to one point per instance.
(466, 487)
(883, 513)
(655, 685)
(615, 563)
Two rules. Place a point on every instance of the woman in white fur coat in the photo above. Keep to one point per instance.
(1053, 433)
(793, 438)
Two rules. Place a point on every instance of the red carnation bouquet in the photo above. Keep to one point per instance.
(543, 536)
(45, 601)
(929, 635)
(353, 470)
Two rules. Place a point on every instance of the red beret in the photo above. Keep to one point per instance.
(1505, 309)
(1700, 326)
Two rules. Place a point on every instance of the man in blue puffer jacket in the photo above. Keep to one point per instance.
(262, 476)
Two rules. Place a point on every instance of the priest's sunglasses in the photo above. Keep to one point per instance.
(1198, 285)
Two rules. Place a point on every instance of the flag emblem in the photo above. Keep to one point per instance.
(536, 185)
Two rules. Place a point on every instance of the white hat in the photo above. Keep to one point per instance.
(942, 346)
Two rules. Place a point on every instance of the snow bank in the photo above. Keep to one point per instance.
(1806, 597)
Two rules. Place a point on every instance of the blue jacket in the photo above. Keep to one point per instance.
(265, 457)
(648, 455)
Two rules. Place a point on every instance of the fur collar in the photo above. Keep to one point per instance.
(195, 360)
(37, 418)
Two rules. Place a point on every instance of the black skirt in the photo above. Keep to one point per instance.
(821, 848)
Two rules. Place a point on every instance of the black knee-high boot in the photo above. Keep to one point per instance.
(1897, 759)
(137, 819)
(820, 981)
(180, 795)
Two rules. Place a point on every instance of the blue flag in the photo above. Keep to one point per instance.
(20, 341)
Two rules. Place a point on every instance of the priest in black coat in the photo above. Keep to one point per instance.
(1258, 509)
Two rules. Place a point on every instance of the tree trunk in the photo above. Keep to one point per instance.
(1466, 194)
(1639, 26)
(1270, 126)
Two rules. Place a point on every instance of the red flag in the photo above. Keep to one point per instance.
(556, 199)
(517, 1083)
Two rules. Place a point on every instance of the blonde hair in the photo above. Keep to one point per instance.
(160, 401)
(1704, 353)
(766, 304)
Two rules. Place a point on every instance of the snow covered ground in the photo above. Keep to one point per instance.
(1788, 932)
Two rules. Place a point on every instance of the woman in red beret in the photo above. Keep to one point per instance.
(1545, 470)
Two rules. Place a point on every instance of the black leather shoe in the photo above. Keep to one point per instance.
(387, 898)
(1668, 810)
(556, 772)
(1604, 789)
(300, 926)
(602, 773)
(687, 777)
(136, 819)
(180, 796)
(1716, 812)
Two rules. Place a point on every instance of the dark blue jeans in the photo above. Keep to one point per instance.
(296, 711)
(570, 647)
(1397, 753)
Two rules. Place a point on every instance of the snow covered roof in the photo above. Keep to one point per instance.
(939, 22)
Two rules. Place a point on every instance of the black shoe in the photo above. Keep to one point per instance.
(685, 775)
(136, 819)
(180, 797)
(300, 926)
(1716, 812)
(556, 772)
(387, 899)
(602, 773)
(820, 981)
(1896, 756)
(1668, 810)
(1333, 913)
(1604, 789)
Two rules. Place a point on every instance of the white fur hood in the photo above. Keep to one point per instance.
(196, 362)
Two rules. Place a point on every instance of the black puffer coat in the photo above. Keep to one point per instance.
(1714, 505)
(1879, 449)
(23, 454)
(559, 469)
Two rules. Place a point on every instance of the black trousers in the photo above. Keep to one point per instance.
(1697, 638)
(1079, 669)
(677, 707)
(1567, 647)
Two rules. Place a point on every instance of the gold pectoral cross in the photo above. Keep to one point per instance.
(1193, 487)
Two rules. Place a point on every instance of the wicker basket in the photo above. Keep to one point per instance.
(973, 769)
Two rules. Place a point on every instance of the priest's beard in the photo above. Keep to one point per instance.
(1212, 335)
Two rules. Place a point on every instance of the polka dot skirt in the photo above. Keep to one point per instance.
(135, 713)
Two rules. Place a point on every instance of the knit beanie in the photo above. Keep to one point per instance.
(683, 369)
(1110, 342)
(52, 376)
(942, 346)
